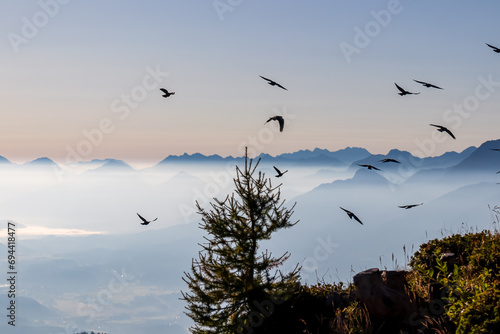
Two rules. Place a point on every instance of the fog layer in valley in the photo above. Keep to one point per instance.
(87, 263)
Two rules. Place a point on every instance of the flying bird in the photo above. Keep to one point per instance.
(166, 93)
(426, 84)
(144, 221)
(280, 174)
(495, 149)
(273, 83)
(351, 215)
(390, 160)
(280, 120)
(443, 129)
(409, 206)
(370, 167)
(497, 50)
(404, 92)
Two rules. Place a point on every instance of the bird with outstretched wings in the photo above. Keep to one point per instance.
(370, 167)
(280, 174)
(390, 160)
(166, 93)
(403, 92)
(280, 120)
(272, 82)
(426, 84)
(409, 206)
(351, 215)
(441, 128)
(145, 221)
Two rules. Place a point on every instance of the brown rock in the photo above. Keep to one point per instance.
(383, 294)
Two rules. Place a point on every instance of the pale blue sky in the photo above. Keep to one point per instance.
(67, 76)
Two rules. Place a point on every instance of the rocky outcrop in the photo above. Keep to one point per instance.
(384, 295)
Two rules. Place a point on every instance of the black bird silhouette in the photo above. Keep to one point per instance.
(272, 83)
(280, 120)
(498, 172)
(166, 93)
(495, 149)
(370, 167)
(426, 84)
(409, 206)
(404, 92)
(497, 50)
(280, 174)
(351, 215)
(144, 221)
(443, 129)
(390, 160)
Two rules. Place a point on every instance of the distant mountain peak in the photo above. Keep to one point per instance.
(195, 157)
(482, 158)
(41, 161)
(4, 160)
(116, 164)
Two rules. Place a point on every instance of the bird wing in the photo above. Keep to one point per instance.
(277, 170)
(282, 123)
(449, 132)
(434, 86)
(400, 89)
(421, 82)
(403, 206)
(164, 90)
(437, 126)
(155, 219)
(265, 78)
(142, 218)
(356, 218)
(270, 119)
(493, 47)
(375, 168)
(280, 86)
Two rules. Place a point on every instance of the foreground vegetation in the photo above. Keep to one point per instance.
(453, 282)
(466, 286)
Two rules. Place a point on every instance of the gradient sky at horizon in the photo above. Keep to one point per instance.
(73, 71)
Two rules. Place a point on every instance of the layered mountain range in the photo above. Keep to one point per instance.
(55, 207)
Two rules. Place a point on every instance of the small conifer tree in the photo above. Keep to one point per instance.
(234, 286)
